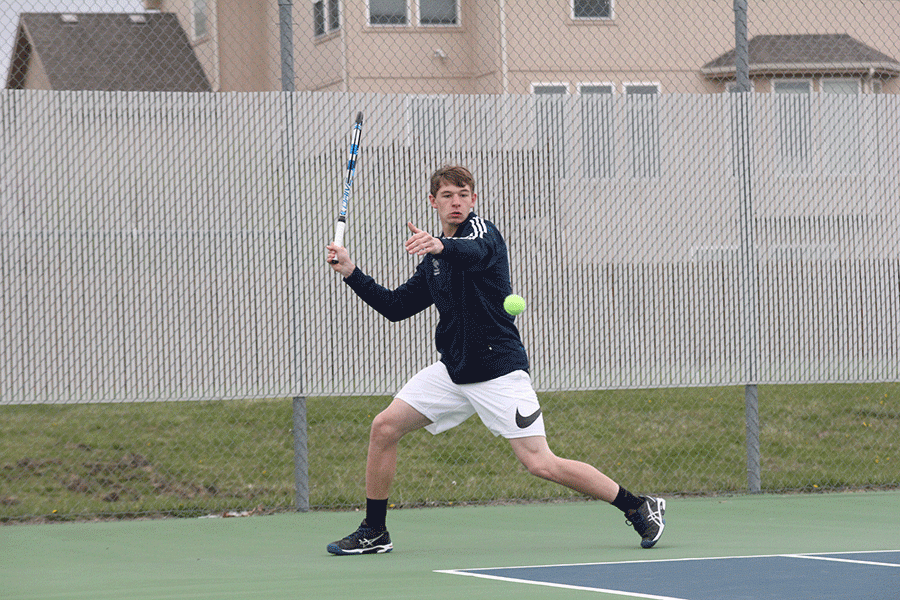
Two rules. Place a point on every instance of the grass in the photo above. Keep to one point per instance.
(191, 459)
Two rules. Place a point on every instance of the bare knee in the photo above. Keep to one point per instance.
(394, 422)
(539, 465)
(384, 429)
(541, 470)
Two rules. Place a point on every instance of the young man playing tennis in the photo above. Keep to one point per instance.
(483, 367)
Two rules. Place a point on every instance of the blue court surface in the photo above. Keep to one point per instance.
(832, 576)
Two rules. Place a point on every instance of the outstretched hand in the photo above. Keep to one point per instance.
(421, 242)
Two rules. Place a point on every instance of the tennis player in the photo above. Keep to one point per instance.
(483, 367)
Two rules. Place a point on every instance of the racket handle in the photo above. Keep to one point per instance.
(339, 236)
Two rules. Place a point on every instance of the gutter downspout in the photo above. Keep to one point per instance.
(504, 59)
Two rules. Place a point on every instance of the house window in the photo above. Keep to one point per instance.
(840, 86)
(438, 12)
(841, 125)
(597, 131)
(324, 22)
(550, 121)
(592, 9)
(388, 12)
(793, 114)
(549, 89)
(791, 86)
(334, 15)
(591, 89)
(642, 117)
(200, 19)
(641, 89)
(428, 122)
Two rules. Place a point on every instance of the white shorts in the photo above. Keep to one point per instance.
(506, 405)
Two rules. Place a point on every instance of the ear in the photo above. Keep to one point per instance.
(431, 200)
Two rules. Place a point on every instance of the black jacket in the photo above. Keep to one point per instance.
(467, 282)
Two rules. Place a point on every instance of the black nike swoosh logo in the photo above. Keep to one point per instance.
(524, 422)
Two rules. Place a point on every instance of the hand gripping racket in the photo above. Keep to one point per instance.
(341, 224)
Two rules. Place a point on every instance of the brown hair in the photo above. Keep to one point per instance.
(454, 175)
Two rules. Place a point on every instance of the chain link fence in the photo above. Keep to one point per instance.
(701, 207)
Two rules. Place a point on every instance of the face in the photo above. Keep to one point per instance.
(453, 205)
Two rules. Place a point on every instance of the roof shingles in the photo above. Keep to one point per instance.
(109, 51)
(809, 52)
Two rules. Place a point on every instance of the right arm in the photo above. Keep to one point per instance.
(410, 298)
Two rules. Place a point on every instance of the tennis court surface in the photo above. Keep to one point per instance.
(872, 575)
(823, 546)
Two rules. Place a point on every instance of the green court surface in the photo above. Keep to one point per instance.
(283, 556)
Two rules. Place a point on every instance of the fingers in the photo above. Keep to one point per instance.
(419, 242)
(422, 242)
(339, 259)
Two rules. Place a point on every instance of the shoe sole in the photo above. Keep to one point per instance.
(662, 514)
(333, 549)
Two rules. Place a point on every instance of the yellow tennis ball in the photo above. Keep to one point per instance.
(514, 304)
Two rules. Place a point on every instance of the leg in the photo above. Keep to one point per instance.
(388, 427)
(644, 513)
(535, 454)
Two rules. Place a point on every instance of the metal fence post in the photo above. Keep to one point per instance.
(749, 292)
(301, 457)
(287, 45)
(298, 408)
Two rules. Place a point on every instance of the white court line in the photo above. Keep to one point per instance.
(842, 560)
(659, 560)
(563, 585)
(474, 572)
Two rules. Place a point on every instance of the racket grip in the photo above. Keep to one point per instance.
(339, 236)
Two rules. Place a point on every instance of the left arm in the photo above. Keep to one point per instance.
(471, 250)
(421, 242)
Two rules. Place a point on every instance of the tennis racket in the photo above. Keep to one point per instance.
(341, 225)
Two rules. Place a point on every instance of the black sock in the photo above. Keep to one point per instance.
(626, 501)
(376, 513)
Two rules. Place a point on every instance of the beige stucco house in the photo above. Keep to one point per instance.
(544, 46)
(471, 46)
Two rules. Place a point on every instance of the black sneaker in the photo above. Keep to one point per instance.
(648, 520)
(365, 540)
